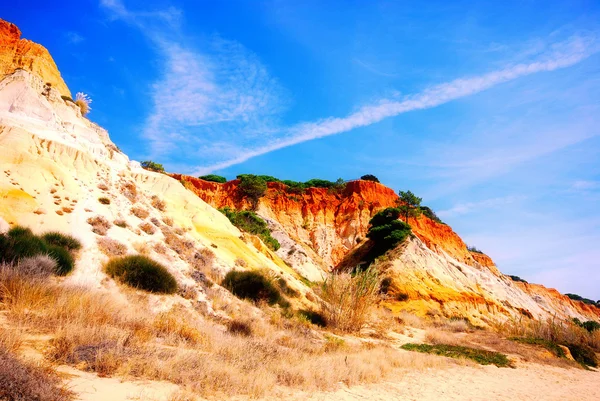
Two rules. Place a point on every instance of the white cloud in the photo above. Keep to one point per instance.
(74, 37)
(468, 207)
(582, 185)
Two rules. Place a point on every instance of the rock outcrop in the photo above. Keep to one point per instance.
(16, 53)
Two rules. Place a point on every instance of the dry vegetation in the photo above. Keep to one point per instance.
(111, 247)
(140, 212)
(99, 225)
(95, 332)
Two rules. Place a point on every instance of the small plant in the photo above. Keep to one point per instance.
(551, 346)
(480, 356)
(347, 299)
(369, 177)
(312, 316)
(111, 247)
(473, 249)
(251, 285)
(120, 223)
(104, 200)
(240, 328)
(129, 190)
(517, 278)
(140, 212)
(142, 272)
(428, 212)
(152, 166)
(213, 178)
(83, 101)
(158, 203)
(99, 225)
(584, 355)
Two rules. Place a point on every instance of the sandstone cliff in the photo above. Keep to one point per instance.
(18, 53)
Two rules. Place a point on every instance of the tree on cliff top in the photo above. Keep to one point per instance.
(252, 187)
(369, 177)
(409, 204)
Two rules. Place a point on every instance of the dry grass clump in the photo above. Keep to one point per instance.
(168, 221)
(139, 212)
(147, 227)
(104, 200)
(347, 299)
(129, 190)
(21, 381)
(83, 102)
(436, 336)
(99, 225)
(111, 247)
(120, 223)
(102, 186)
(38, 266)
(158, 203)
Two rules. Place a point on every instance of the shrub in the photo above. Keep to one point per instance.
(158, 203)
(551, 346)
(590, 325)
(576, 297)
(386, 232)
(517, 278)
(120, 223)
(312, 316)
(480, 356)
(129, 190)
(347, 299)
(251, 285)
(152, 166)
(140, 212)
(21, 381)
(63, 240)
(213, 178)
(583, 354)
(250, 222)
(369, 177)
(142, 272)
(37, 266)
(20, 243)
(147, 228)
(238, 327)
(251, 187)
(431, 214)
(473, 249)
(83, 101)
(111, 247)
(64, 260)
(99, 225)
(104, 200)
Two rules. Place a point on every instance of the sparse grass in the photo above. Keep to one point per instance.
(129, 190)
(148, 228)
(252, 223)
(480, 356)
(98, 332)
(139, 212)
(120, 223)
(99, 225)
(158, 203)
(553, 347)
(239, 328)
(142, 272)
(22, 381)
(62, 240)
(65, 262)
(104, 200)
(111, 247)
(347, 299)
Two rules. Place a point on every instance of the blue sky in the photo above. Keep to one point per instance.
(488, 110)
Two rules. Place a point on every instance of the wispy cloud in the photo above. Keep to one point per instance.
(563, 55)
(373, 69)
(74, 37)
(583, 185)
(469, 207)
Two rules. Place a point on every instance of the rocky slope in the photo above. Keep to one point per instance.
(56, 166)
(17, 53)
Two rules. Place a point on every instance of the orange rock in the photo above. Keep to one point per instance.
(18, 53)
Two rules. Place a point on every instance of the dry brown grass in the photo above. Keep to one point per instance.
(111, 247)
(148, 228)
(348, 299)
(139, 212)
(158, 203)
(23, 381)
(129, 190)
(120, 223)
(99, 225)
(96, 332)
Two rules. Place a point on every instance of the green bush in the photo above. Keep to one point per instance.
(473, 249)
(584, 355)
(65, 262)
(213, 178)
(517, 278)
(426, 210)
(141, 272)
(251, 223)
(480, 356)
(576, 297)
(251, 187)
(386, 231)
(251, 285)
(152, 166)
(369, 177)
(551, 346)
(63, 240)
(590, 325)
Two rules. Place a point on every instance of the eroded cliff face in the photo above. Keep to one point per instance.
(333, 222)
(18, 53)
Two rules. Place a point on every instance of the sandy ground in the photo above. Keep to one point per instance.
(528, 382)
